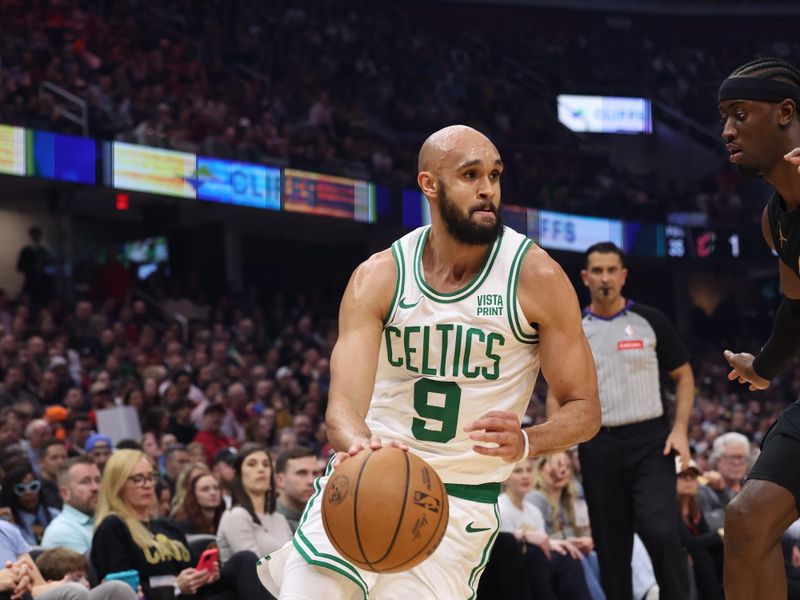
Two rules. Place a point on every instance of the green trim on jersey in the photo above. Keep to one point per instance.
(458, 295)
(399, 281)
(476, 572)
(320, 559)
(511, 296)
(485, 492)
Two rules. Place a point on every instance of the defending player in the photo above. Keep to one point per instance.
(758, 103)
(440, 341)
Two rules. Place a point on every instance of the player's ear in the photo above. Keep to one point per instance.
(787, 111)
(427, 183)
(624, 275)
(585, 277)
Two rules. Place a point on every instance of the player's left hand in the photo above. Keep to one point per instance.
(500, 427)
(793, 156)
(742, 369)
(678, 441)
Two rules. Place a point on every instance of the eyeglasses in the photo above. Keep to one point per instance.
(20, 489)
(143, 480)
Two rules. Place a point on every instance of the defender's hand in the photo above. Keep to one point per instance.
(742, 369)
(500, 427)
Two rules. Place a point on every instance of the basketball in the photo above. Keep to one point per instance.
(385, 511)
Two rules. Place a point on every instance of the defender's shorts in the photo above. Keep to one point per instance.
(779, 461)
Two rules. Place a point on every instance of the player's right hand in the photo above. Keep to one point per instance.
(742, 369)
(366, 443)
(793, 157)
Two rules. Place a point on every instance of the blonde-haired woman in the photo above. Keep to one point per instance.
(128, 537)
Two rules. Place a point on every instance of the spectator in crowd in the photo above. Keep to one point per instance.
(554, 495)
(295, 472)
(99, 448)
(189, 472)
(79, 484)
(52, 456)
(176, 459)
(731, 458)
(303, 428)
(59, 564)
(553, 566)
(78, 427)
(21, 575)
(36, 265)
(36, 433)
(262, 430)
(180, 423)
(197, 451)
(150, 445)
(210, 434)
(703, 544)
(156, 548)
(253, 523)
(22, 493)
(163, 499)
(223, 468)
(202, 506)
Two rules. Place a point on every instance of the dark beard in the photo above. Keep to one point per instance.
(462, 228)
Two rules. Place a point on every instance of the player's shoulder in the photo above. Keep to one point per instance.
(379, 270)
(539, 268)
(372, 285)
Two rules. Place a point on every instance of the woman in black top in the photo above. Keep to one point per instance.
(127, 537)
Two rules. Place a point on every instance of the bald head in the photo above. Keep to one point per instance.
(449, 145)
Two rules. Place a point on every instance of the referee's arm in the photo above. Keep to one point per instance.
(678, 439)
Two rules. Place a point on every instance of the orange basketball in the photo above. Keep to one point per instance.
(385, 511)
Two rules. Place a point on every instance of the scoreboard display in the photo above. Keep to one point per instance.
(326, 195)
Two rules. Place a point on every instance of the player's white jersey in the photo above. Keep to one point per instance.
(447, 358)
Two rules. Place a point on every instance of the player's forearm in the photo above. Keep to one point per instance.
(577, 420)
(344, 425)
(783, 344)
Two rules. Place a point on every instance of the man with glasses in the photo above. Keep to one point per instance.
(730, 456)
(79, 484)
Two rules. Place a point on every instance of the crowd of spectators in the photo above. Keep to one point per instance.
(353, 88)
(242, 391)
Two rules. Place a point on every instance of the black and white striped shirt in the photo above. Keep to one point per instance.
(630, 350)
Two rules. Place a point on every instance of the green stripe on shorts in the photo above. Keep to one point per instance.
(473, 576)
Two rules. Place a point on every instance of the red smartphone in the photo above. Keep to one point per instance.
(207, 559)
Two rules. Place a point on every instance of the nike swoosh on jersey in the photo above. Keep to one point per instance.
(404, 305)
(471, 529)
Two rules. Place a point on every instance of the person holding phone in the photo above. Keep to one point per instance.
(128, 537)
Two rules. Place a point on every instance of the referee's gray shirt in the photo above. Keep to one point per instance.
(630, 349)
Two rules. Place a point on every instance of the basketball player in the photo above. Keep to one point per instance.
(758, 103)
(440, 341)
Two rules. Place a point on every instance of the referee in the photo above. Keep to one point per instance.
(628, 468)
